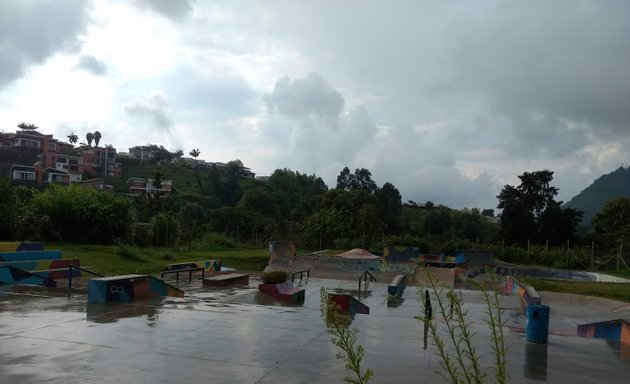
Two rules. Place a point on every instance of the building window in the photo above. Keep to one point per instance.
(52, 146)
(21, 175)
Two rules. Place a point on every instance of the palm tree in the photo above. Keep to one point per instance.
(72, 138)
(195, 153)
(97, 138)
(89, 137)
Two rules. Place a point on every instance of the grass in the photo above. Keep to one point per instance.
(615, 291)
(109, 260)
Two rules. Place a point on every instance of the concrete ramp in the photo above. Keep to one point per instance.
(51, 269)
(128, 288)
(14, 276)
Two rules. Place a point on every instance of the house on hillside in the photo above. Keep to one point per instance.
(99, 184)
(144, 153)
(22, 173)
(139, 186)
(53, 161)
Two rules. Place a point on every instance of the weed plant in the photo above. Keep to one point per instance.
(344, 338)
(459, 360)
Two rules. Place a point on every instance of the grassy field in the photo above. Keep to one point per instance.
(114, 260)
(615, 291)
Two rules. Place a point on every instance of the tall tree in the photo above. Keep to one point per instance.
(89, 137)
(390, 204)
(612, 223)
(345, 179)
(530, 211)
(195, 153)
(361, 179)
(97, 138)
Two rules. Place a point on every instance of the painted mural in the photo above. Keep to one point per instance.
(210, 266)
(525, 292)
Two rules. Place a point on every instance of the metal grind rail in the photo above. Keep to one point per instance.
(364, 277)
(189, 270)
(308, 274)
(80, 269)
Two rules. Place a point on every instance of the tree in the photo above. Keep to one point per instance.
(612, 222)
(390, 205)
(89, 137)
(97, 138)
(8, 210)
(363, 180)
(530, 211)
(195, 153)
(72, 138)
(345, 179)
(360, 180)
(27, 127)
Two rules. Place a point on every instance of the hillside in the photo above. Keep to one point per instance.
(592, 199)
(184, 180)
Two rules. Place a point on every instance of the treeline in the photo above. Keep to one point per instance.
(234, 209)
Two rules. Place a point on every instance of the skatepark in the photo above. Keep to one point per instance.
(238, 334)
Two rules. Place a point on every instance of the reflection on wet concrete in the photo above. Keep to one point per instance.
(238, 335)
(112, 312)
(394, 302)
(535, 361)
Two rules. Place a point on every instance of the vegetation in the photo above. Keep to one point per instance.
(530, 212)
(274, 277)
(117, 260)
(614, 291)
(459, 360)
(344, 338)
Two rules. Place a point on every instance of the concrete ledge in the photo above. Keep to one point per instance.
(223, 280)
(397, 286)
(526, 293)
(284, 291)
(210, 266)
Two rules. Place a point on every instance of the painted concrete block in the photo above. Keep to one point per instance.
(30, 255)
(128, 287)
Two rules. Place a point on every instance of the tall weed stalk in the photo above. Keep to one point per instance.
(344, 338)
(459, 360)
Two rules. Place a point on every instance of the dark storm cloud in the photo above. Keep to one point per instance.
(31, 31)
(92, 65)
(173, 9)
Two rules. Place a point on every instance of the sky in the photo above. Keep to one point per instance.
(447, 100)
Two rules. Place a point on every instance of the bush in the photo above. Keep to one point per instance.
(142, 234)
(275, 277)
(127, 253)
(215, 240)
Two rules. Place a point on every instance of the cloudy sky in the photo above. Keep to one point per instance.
(447, 100)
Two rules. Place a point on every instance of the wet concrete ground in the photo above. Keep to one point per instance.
(238, 335)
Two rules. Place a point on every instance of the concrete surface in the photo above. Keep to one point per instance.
(238, 335)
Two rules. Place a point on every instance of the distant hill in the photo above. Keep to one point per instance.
(592, 199)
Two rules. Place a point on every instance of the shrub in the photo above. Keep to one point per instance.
(127, 253)
(275, 277)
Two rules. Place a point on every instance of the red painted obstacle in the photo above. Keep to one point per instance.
(348, 304)
(284, 291)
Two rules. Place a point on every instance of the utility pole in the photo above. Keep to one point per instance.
(592, 255)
